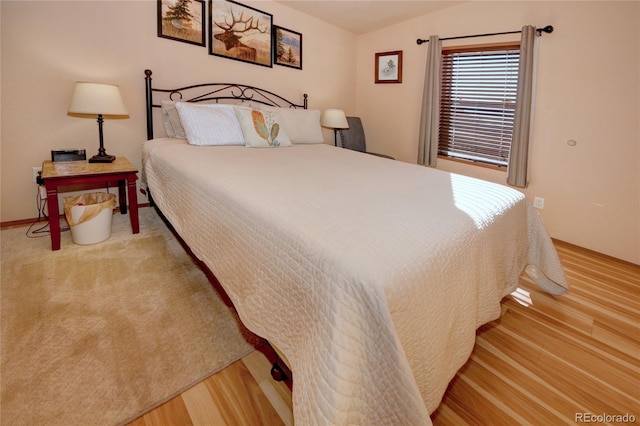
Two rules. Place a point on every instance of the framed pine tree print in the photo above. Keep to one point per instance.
(182, 20)
(287, 47)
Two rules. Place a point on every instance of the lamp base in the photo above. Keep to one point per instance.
(105, 158)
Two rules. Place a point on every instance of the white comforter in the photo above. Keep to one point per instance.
(371, 275)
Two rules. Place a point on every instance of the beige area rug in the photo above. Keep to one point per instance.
(99, 334)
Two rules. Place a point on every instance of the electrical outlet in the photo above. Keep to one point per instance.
(36, 174)
(538, 203)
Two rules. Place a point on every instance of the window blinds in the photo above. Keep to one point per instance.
(478, 100)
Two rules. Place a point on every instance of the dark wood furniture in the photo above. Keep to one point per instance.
(121, 172)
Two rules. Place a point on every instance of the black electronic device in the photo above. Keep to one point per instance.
(68, 155)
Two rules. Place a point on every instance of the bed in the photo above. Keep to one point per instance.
(370, 275)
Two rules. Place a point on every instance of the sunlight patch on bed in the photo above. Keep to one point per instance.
(481, 200)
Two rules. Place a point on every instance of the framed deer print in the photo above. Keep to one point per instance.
(240, 32)
(182, 20)
(389, 67)
(287, 47)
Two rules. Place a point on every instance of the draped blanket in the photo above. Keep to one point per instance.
(371, 275)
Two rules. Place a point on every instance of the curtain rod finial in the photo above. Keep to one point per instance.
(420, 41)
(548, 29)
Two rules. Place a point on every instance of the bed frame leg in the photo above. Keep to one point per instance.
(280, 372)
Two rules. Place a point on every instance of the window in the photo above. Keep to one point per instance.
(478, 102)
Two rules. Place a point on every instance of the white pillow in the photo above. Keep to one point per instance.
(210, 124)
(171, 120)
(302, 125)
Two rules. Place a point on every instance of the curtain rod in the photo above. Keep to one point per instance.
(548, 29)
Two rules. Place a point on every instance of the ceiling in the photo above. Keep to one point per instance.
(362, 16)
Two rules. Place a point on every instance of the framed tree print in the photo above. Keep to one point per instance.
(389, 67)
(287, 47)
(240, 32)
(181, 20)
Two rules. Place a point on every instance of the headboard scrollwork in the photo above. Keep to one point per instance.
(213, 92)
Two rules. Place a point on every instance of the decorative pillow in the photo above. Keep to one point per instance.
(210, 124)
(261, 129)
(302, 125)
(171, 120)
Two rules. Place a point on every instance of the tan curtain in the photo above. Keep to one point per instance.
(519, 155)
(430, 116)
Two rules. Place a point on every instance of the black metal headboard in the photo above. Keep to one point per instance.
(213, 92)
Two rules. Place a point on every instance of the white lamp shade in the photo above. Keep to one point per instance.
(335, 118)
(97, 98)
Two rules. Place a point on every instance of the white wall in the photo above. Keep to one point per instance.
(49, 45)
(588, 90)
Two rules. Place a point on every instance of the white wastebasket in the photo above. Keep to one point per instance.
(90, 216)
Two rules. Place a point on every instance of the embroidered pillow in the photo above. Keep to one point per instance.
(210, 124)
(261, 129)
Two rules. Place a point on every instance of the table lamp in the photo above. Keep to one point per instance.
(335, 119)
(91, 100)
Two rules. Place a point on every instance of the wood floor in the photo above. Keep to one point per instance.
(547, 361)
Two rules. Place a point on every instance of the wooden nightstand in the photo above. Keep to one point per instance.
(120, 172)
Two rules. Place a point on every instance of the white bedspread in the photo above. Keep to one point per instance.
(371, 275)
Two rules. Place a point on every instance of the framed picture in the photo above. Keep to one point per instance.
(389, 67)
(181, 20)
(240, 32)
(287, 47)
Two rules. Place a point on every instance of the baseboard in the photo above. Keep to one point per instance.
(592, 252)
